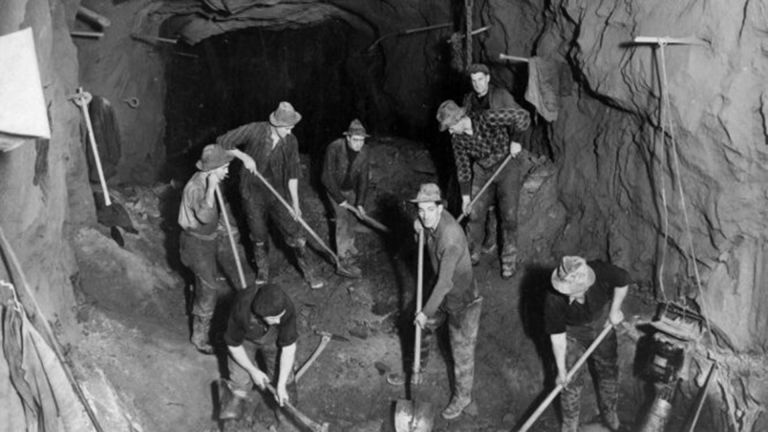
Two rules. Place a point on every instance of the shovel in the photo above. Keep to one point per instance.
(240, 274)
(340, 269)
(412, 415)
(109, 214)
(484, 188)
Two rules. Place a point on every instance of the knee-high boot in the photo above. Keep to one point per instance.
(201, 326)
(302, 260)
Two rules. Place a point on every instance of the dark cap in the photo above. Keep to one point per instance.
(270, 301)
(477, 68)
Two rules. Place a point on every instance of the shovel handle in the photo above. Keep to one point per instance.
(240, 273)
(369, 220)
(419, 288)
(527, 425)
(82, 99)
(300, 416)
(298, 218)
(486, 185)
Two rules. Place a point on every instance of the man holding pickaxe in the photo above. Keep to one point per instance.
(273, 150)
(345, 177)
(484, 154)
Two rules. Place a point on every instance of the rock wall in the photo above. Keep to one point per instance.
(43, 188)
(616, 172)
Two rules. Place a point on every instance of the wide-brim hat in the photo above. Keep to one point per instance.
(428, 192)
(448, 114)
(284, 116)
(573, 276)
(356, 128)
(214, 156)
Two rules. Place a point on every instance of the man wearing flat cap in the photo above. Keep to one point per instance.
(198, 242)
(454, 297)
(481, 142)
(273, 150)
(345, 178)
(485, 95)
(587, 297)
(262, 323)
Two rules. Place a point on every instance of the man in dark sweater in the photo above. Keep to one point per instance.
(262, 322)
(587, 297)
(199, 219)
(273, 150)
(480, 143)
(485, 96)
(345, 178)
(454, 298)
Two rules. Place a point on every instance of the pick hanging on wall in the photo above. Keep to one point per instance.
(23, 114)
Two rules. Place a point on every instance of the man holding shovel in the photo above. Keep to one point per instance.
(262, 322)
(198, 242)
(454, 298)
(481, 145)
(345, 178)
(588, 297)
(273, 150)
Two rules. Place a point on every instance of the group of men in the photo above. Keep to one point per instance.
(262, 317)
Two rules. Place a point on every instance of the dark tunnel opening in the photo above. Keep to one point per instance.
(240, 77)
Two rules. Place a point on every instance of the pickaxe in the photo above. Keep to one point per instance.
(324, 339)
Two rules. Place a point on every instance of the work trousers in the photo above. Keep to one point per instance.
(266, 355)
(202, 256)
(505, 193)
(344, 223)
(604, 363)
(463, 327)
(261, 206)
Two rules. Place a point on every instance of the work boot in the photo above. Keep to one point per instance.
(201, 326)
(350, 269)
(262, 263)
(307, 271)
(455, 408)
(508, 262)
(474, 257)
(611, 420)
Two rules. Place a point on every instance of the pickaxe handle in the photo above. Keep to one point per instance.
(486, 185)
(320, 347)
(223, 210)
(551, 396)
(306, 421)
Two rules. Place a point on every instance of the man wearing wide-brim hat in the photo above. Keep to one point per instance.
(198, 242)
(587, 296)
(454, 297)
(481, 142)
(273, 150)
(346, 171)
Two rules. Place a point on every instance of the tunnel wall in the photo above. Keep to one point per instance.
(44, 193)
(613, 168)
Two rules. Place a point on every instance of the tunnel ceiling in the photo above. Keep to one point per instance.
(195, 20)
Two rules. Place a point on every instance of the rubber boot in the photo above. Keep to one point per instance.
(201, 326)
(262, 263)
(232, 408)
(491, 234)
(306, 269)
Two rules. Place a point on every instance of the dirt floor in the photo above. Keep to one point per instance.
(134, 312)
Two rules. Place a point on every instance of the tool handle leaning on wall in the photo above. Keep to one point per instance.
(223, 210)
(551, 396)
(82, 99)
(485, 187)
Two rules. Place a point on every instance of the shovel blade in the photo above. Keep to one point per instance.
(413, 416)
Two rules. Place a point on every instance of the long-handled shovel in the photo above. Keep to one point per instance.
(485, 187)
(369, 220)
(340, 269)
(551, 396)
(232, 244)
(412, 415)
(112, 214)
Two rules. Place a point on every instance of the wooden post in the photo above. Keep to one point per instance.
(468, 36)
